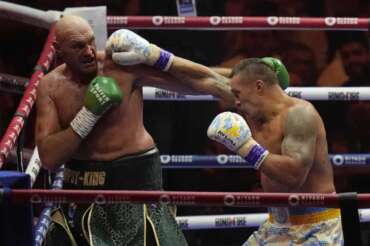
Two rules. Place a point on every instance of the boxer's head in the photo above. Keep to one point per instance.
(251, 82)
(75, 45)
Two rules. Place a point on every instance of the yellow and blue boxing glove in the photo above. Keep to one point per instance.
(231, 130)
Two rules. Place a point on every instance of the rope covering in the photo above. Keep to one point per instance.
(27, 101)
(44, 218)
(16, 84)
(235, 220)
(44, 19)
(235, 161)
(308, 93)
(231, 199)
(202, 161)
(28, 15)
(238, 22)
(12, 84)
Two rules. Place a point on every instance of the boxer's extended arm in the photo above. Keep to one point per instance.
(298, 149)
(201, 78)
(224, 71)
(128, 48)
(188, 77)
(50, 138)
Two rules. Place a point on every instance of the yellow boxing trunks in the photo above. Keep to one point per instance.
(299, 226)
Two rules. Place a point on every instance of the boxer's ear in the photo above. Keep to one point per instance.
(259, 85)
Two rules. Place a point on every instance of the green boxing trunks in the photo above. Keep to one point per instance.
(115, 224)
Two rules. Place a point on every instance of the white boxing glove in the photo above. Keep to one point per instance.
(128, 48)
(231, 130)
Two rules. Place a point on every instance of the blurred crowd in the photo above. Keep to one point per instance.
(313, 58)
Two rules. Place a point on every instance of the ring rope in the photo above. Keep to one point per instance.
(308, 93)
(44, 19)
(28, 15)
(208, 161)
(235, 161)
(28, 99)
(15, 83)
(199, 222)
(12, 84)
(231, 199)
(238, 23)
(44, 219)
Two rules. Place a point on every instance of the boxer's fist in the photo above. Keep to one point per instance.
(231, 130)
(128, 48)
(102, 93)
(279, 68)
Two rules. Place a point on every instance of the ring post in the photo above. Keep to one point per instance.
(16, 219)
(350, 218)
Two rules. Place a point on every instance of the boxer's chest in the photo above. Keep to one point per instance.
(69, 100)
(269, 136)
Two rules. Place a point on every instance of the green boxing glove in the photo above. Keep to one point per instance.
(279, 68)
(102, 93)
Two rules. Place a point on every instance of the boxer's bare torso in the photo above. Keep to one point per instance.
(120, 130)
(271, 135)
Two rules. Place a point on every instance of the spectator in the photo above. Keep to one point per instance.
(354, 122)
(253, 44)
(357, 8)
(354, 52)
(333, 74)
(355, 56)
(292, 7)
(301, 64)
(248, 43)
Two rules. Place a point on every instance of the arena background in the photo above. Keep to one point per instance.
(313, 58)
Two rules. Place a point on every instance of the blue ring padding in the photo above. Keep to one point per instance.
(16, 218)
(12, 179)
(234, 161)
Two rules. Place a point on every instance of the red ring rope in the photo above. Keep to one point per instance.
(28, 99)
(233, 199)
(238, 22)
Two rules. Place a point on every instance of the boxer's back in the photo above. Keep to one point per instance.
(120, 131)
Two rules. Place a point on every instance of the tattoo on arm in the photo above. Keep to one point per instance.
(300, 134)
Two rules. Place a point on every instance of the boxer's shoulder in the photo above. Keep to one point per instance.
(300, 117)
(51, 80)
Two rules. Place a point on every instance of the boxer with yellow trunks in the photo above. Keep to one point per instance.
(299, 226)
(284, 138)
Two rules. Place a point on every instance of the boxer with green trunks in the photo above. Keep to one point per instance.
(284, 138)
(90, 116)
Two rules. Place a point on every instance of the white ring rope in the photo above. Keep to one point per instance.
(235, 220)
(28, 15)
(308, 93)
(157, 94)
